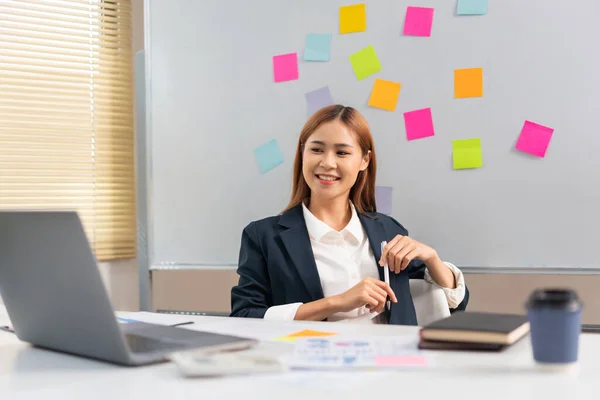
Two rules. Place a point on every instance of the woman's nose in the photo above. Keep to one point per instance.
(328, 160)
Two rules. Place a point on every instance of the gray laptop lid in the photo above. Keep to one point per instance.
(52, 288)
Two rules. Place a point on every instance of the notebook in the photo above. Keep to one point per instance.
(462, 346)
(477, 327)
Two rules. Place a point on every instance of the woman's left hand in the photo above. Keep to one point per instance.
(401, 250)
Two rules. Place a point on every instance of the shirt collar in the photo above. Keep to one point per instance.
(317, 229)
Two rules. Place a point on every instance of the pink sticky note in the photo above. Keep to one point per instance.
(419, 124)
(285, 67)
(418, 21)
(534, 139)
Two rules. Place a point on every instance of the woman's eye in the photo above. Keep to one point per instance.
(315, 150)
(343, 153)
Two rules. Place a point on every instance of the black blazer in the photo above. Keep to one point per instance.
(277, 266)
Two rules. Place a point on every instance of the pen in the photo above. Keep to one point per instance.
(386, 272)
(6, 329)
(183, 323)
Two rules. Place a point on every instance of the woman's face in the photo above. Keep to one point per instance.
(331, 160)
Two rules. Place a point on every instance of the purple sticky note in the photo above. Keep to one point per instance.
(383, 199)
(285, 67)
(418, 21)
(318, 99)
(419, 124)
(534, 139)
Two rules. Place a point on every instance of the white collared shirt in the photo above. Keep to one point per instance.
(345, 258)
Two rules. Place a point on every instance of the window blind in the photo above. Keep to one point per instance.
(66, 115)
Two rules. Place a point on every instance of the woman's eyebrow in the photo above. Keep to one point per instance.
(336, 145)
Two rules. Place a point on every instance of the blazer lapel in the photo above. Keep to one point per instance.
(297, 243)
(376, 234)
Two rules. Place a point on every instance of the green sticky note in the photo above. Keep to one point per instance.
(466, 153)
(365, 62)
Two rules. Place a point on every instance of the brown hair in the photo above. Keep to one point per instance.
(362, 193)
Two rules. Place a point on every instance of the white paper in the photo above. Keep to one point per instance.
(347, 352)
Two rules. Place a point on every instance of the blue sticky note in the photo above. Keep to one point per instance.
(317, 47)
(268, 156)
(383, 199)
(471, 7)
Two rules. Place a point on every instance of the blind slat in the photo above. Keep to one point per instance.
(66, 115)
(71, 8)
(76, 20)
(83, 58)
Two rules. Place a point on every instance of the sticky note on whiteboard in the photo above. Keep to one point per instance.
(419, 124)
(384, 94)
(534, 139)
(365, 62)
(466, 153)
(285, 67)
(318, 99)
(317, 47)
(418, 21)
(268, 156)
(353, 18)
(471, 7)
(383, 199)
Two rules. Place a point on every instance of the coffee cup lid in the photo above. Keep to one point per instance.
(554, 298)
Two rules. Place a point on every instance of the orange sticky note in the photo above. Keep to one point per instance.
(384, 94)
(304, 333)
(468, 82)
(353, 18)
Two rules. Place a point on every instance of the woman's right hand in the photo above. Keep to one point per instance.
(369, 292)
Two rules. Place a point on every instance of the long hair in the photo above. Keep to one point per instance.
(362, 193)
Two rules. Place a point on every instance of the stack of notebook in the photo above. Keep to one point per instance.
(474, 331)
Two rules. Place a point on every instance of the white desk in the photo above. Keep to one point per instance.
(31, 373)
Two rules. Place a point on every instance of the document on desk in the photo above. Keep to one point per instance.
(351, 353)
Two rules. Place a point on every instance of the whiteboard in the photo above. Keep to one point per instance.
(211, 100)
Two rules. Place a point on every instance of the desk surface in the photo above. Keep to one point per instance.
(31, 373)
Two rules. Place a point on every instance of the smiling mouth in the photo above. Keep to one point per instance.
(328, 178)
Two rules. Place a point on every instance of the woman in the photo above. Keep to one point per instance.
(321, 258)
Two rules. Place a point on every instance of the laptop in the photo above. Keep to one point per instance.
(55, 297)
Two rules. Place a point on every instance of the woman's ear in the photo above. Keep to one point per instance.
(365, 161)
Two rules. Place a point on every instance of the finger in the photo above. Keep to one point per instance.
(409, 257)
(370, 302)
(378, 294)
(384, 294)
(388, 290)
(387, 248)
(401, 255)
(392, 257)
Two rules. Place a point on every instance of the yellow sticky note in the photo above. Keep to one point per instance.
(353, 18)
(384, 94)
(468, 82)
(466, 153)
(304, 333)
